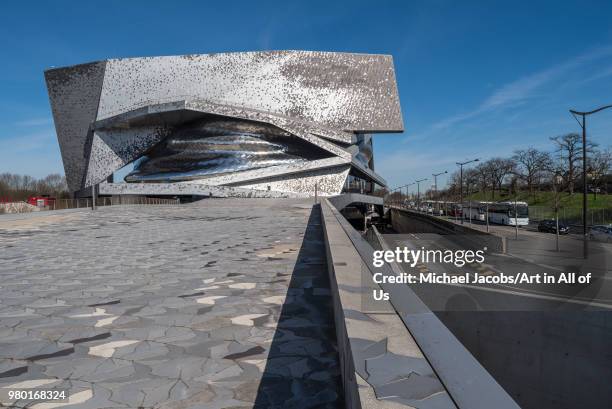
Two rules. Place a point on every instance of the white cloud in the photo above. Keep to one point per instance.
(606, 72)
(521, 90)
(22, 144)
(43, 121)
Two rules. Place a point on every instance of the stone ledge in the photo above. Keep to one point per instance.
(382, 365)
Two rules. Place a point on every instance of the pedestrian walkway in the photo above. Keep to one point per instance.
(220, 303)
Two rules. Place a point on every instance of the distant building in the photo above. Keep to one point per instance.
(256, 123)
(41, 201)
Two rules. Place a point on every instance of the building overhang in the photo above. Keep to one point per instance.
(110, 113)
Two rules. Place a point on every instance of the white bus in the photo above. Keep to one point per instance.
(503, 213)
(435, 207)
(475, 210)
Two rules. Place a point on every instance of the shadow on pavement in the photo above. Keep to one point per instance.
(302, 370)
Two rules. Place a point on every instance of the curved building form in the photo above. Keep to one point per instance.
(255, 123)
(201, 149)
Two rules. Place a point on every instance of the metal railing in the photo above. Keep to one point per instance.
(571, 215)
(111, 201)
(84, 203)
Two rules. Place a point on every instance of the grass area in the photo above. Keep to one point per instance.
(548, 199)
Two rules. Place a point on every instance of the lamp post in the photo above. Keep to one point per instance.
(400, 189)
(418, 183)
(460, 164)
(392, 192)
(584, 171)
(407, 186)
(469, 182)
(389, 195)
(435, 176)
(515, 218)
(94, 196)
(555, 181)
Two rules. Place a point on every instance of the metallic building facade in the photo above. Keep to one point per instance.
(254, 123)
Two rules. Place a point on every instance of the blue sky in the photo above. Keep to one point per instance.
(476, 79)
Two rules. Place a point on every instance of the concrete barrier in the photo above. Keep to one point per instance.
(463, 382)
(341, 201)
(408, 221)
(373, 338)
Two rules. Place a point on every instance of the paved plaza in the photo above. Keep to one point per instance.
(224, 303)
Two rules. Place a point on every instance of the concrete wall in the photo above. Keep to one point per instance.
(544, 360)
(369, 340)
(407, 221)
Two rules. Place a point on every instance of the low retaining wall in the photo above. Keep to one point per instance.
(545, 359)
(408, 221)
(17, 207)
(411, 341)
(374, 340)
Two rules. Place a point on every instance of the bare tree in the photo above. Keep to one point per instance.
(531, 164)
(499, 169)
(569, 147)
(20, 187)
(470, 180)
(5, 181)
(454, 184)
(27, 183)
(52, 183)
(600, 164)
(12, 181)
(483, 177)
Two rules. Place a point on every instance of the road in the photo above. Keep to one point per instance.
(547, 345)
(533, 252)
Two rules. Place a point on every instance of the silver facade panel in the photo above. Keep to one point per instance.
(74, 94)
(114, 148)
(110, 113)
(351, 92)
(211, 147)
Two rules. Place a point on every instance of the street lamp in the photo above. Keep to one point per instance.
(407, 186)
(460, 164)
(556, 180)
(400, 189)
(435, 176)
(418, 183)
(391, 192)
(584, 170)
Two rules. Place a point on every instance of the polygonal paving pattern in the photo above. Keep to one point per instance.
(216, 304)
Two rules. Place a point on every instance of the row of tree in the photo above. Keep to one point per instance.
(14, 187)
(534, 169)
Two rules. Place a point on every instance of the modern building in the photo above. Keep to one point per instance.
(278, 123)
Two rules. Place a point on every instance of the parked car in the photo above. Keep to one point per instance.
(550, 226)
(601, 233)
(595, 189)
